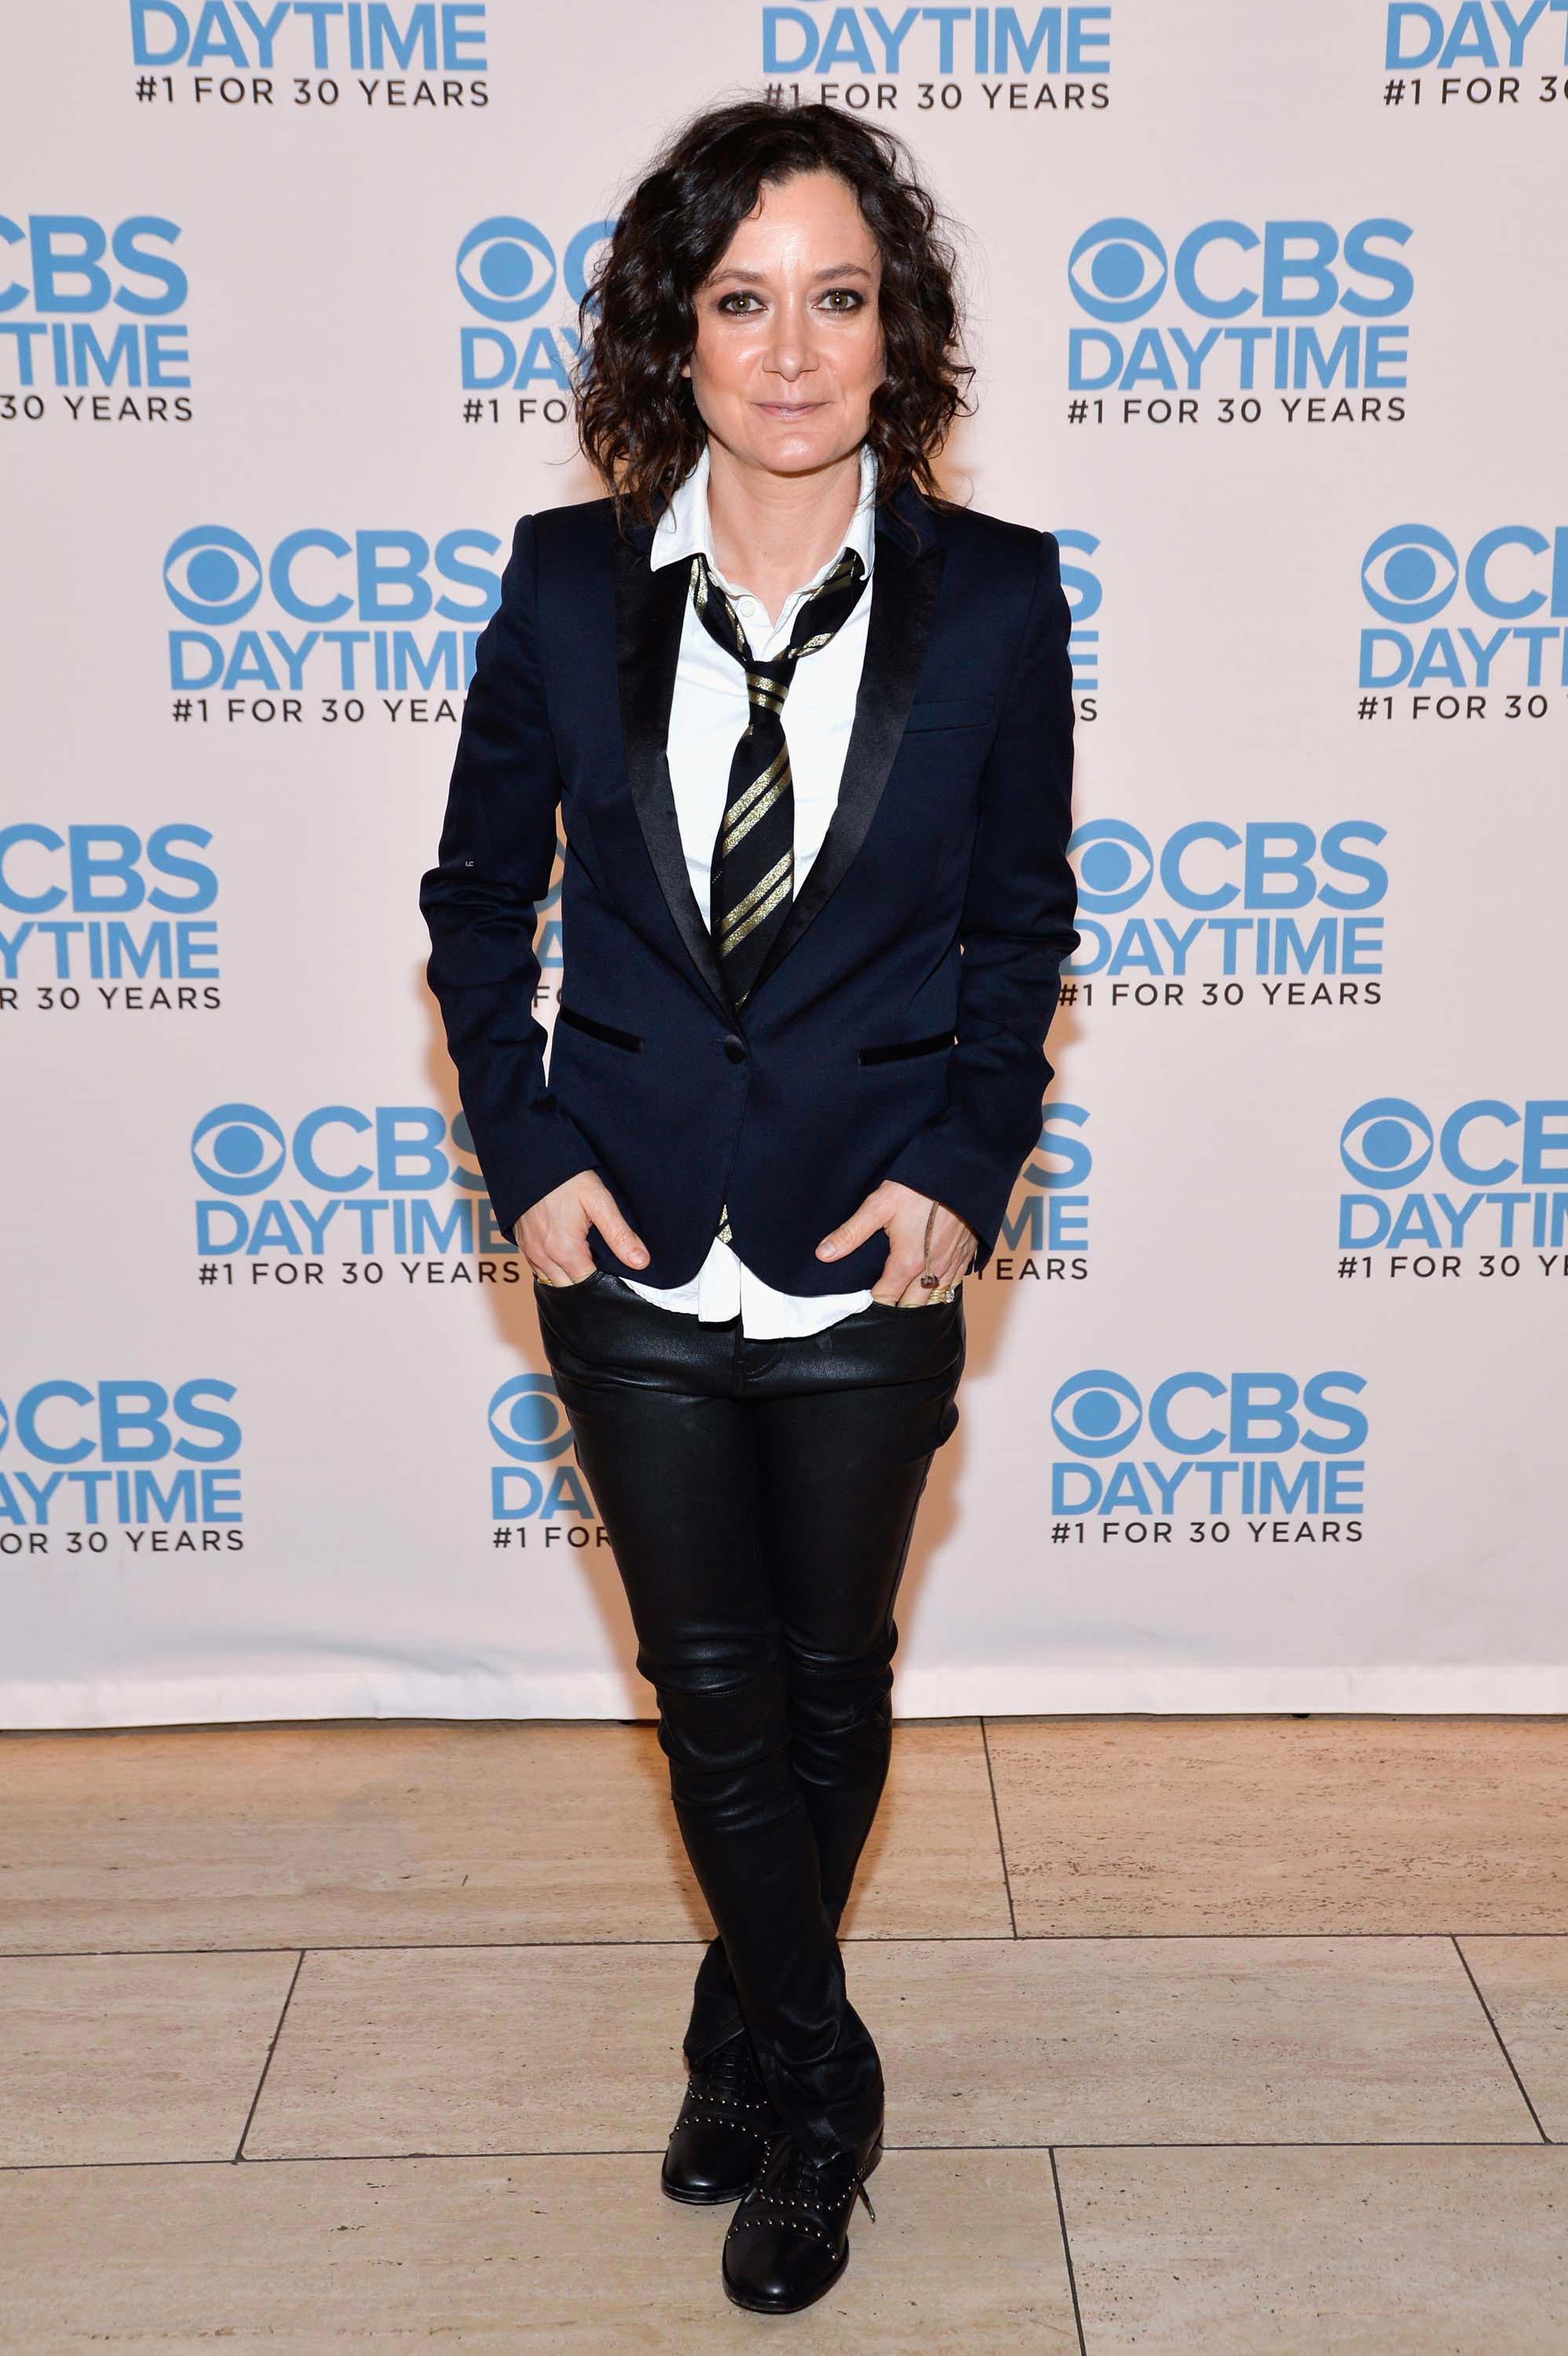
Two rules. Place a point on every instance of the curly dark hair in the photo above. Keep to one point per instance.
(637, 423)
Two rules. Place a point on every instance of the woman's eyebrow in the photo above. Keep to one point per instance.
(831, 270)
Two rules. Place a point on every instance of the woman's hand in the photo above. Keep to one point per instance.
(552, 1234)
(905, 1215)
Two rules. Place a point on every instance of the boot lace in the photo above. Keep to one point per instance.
(728, 2083)
(793, 2180)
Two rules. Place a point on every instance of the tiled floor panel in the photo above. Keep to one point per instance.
(369, 2035)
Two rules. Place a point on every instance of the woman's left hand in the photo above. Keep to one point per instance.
(905, 1215)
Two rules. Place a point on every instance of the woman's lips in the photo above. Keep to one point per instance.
(789, 409)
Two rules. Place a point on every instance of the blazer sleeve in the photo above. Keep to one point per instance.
(1017, 928)
(480, 902)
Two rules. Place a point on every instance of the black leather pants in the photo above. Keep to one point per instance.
(759, 1497)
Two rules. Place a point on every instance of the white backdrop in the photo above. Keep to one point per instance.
(1264, 1397)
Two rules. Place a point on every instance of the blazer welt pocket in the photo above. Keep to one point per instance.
(896, 1048)
(953, 711)
(605, 1031)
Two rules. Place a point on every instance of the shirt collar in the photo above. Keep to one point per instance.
(683, 528)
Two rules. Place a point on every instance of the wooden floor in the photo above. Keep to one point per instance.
(1218, 2035)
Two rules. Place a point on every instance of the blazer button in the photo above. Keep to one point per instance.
(735, 1049)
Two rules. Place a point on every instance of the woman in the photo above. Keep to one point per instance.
(811, 727)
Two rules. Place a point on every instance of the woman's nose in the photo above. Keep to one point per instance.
(789, 344)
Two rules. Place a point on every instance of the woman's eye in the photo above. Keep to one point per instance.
(855, 300)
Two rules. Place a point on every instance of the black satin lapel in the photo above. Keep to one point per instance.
(650, 610)
(903, 597)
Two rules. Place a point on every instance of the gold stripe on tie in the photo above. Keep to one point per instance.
(743, 801)
(740, 907)
(734, 833)
(769, 904)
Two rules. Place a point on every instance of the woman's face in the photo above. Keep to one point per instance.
(789, 338)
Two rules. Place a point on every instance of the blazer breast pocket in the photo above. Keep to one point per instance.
(897, 1051)
(953, 711)
(596, 1029)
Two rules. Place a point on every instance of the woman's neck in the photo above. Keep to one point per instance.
(772, 531)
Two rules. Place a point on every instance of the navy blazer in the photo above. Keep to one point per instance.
(897, 1026)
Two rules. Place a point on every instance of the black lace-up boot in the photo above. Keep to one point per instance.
(788, 2241)
(725, 2124)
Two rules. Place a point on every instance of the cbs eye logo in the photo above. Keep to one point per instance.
(1096, 1413)
(1115, 864)
(237, 1149)
(528, 1422)
(1409, 574)
(212, 575)
(1117, 270)
(506, 267)
(1386, 1143)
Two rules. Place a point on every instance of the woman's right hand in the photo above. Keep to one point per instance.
(552, 1234)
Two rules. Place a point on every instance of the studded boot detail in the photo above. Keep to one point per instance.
(725, 2124)
(788, 2241)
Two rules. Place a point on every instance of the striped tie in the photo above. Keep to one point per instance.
(753, 851)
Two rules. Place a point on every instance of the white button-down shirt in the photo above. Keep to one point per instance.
(708, 714)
